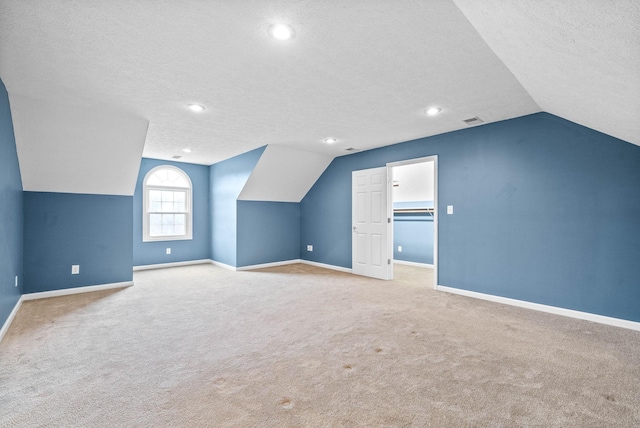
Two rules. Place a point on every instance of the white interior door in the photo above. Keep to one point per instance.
(371, 247)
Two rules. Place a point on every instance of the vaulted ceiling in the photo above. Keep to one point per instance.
(85, 77)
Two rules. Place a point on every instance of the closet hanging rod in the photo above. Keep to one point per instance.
(413, 210)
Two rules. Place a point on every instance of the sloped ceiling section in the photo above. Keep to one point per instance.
(74, 149)
(578, 59)
(284, 174)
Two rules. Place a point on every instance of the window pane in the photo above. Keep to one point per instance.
(168, 177)
(155, 226)
(181, 219)
(179, 196)
(155, 195)
(167, 230)
(181, 182)
(154, 207)
(167, 196)
(179, 207)
(172, 175)
(180, 229)
(167, 219)
(154, 180)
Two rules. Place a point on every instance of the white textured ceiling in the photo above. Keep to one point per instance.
(362, 71)
(579, 59)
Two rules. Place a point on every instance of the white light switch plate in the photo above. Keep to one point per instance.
(449, 209)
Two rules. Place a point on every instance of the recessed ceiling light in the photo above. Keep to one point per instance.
(432, 111)
(195, 107)
(281, 31)
(330, 140)
(187, 150)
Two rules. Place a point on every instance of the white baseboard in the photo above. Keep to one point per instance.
(416, 264)
(282, 263)
(268, 265)
(12, 315)
(326, 266)
(75, 290)
(173, 264)
(616, 322)
(223, 265)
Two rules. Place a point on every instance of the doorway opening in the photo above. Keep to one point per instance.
(413, 203)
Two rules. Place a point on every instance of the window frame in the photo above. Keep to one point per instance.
(146, 214)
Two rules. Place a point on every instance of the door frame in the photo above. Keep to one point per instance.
(390, 166)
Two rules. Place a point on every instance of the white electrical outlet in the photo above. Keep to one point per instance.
(16, 280)
(449, 209)
(75, 269)
(309, 247)
(399, 248)
(168, 250)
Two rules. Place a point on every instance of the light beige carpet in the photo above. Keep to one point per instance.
(299, 346)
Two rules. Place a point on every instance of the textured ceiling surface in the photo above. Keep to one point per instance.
(579, 59)
(360, 71)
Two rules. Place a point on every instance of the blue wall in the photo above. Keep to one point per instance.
(226, 181)
(414, 232)
(11, 212)
(545, 211)
(63, 229)
(268, 232)
(148, 253)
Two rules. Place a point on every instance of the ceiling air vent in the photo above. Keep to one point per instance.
(473, 121)
(351, 149)
(176, 157)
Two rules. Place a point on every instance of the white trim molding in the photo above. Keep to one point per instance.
(268, 265)
(173, 264)
(12, 315)
(326, 266)
(223, 265)
(616, 322)
(282, 263)
(416, 264)
(75, 290)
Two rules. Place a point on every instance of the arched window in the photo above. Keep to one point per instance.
(167, 204)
